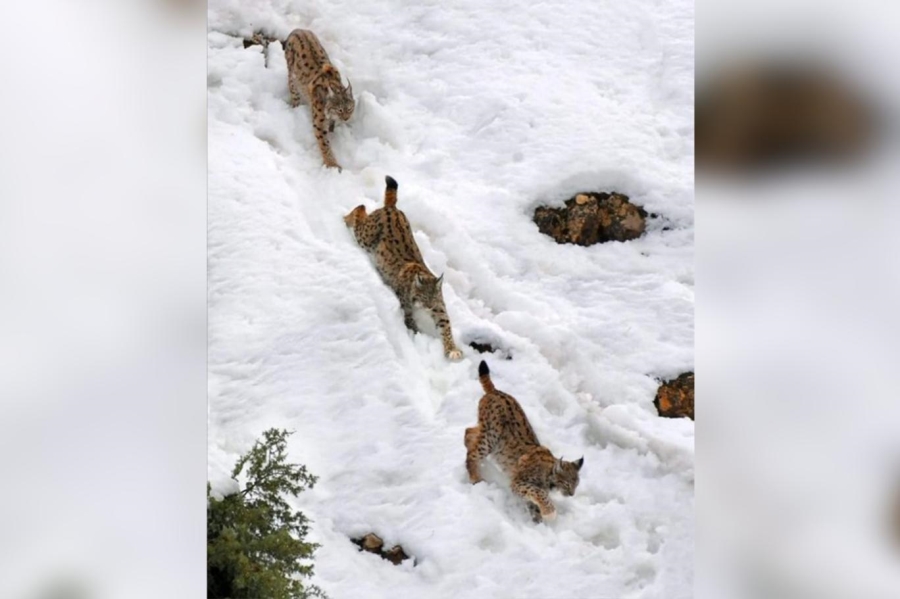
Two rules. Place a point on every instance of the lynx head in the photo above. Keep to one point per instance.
(426, 289)
(565, 475)
(340, 103)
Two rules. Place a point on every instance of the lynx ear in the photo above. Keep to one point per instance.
(579, 463)
(557, 466)
(440, 281)
(418, 281)
(349, 89)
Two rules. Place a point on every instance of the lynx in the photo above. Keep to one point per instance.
(503, 431)
(387, 236)
(314, 80)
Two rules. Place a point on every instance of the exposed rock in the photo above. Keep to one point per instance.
(591, 218)
(675, 398)
(486, 348)
(395, 555)
(259, 39)
(374, 544)
(482, 348)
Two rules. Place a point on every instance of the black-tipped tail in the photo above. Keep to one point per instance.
(390, 192)
(484, 376)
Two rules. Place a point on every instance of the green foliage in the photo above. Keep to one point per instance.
(255, 541)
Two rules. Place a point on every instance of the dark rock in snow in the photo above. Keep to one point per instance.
(259, 39)
(482, 348)
(591, 218)
(675, 398)
(374, 544)
(486, 348)
(395, 555)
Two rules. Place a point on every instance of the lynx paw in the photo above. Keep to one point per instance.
(454, 354)
(549, 516)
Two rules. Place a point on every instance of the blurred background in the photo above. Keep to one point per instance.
(798, 486)
(103, 322)
(102, 299)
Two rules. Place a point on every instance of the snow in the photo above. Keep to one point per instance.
(481, 111)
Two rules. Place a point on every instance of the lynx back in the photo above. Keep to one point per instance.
(387, 236)
(503, 432)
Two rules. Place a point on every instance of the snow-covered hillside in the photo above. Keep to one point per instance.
(481, 111)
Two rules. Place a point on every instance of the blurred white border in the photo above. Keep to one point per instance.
(798, 332)
(102, 299)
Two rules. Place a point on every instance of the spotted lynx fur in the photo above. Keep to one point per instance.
(313, 80)
(504, 432)
(387, 236)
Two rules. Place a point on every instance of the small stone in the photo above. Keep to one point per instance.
(395, 555)
(372, 542)
(482, 348)
(486, 348)
(581, 199)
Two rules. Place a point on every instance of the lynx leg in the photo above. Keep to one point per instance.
(477, 448)
(295, 89)
(320, 128)
(408, 319)
(443, 325)
(538, 497)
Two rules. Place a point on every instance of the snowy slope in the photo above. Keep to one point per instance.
(481, 111)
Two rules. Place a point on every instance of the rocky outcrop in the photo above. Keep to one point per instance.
(591, 218)
(374, 544)
(675, 398)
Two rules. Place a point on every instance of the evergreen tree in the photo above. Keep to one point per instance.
(256, 547)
